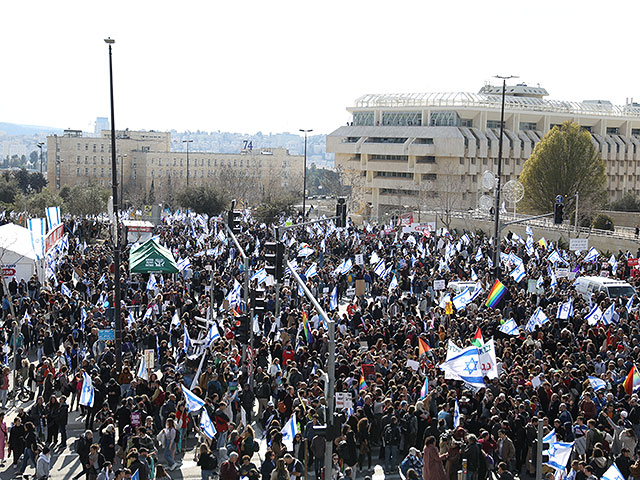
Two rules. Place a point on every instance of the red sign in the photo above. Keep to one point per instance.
(53, 237)
(8, 271)
(406, 219)
(632, 262)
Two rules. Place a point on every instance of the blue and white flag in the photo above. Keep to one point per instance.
(393, 284)
(529, 231)
(474, 276)
(477, 290)
(193, 402)
(142, 369)
(334, 299)
(479, 254)
(206, 425)
(346, 266)
(609, 315)
(629, 304)
(465, 239)
(212, 335)
(538, 319)
(175, 320)
(612, 473)
(152, 284)
(540, 282)
(456, 415)
(103, 279)
(591, 255)
(518, 272)
(148, 313)
(38, 230)
(305, 251)
(559, 454)
(510, 327)
(465, 366)
(136, 475)
(294, 264)
(380, 268)
(289, 432)
(554, 280)
(311, 272)
(53, 217)
(184, 264)
(65, 290)
(374, 258)
(87, 394)
(550, 437)
(554, 257)
(461, 300)
(594, 316)
(187, 340)
(260, 276)
(565, 310)
(597, 384)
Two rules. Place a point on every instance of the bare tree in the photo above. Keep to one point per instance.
(445, 194)
(352, 187)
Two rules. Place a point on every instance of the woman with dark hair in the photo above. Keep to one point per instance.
(432, 468)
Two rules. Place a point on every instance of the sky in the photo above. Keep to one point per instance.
(280, 65)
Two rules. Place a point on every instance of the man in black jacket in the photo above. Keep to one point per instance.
(140, 465)
(63, 420)
(83, 448)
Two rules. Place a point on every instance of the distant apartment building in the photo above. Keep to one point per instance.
(412, 149)
(102, 123)
(146, 163)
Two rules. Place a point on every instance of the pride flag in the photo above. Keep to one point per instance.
(632, 382)
(495, 295)
(543, 243)
(306, 328)
(425, 389)
(423, 347)
(362, 384)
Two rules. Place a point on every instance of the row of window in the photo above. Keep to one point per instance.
(95, 147)
(395, 174)
(193, 162)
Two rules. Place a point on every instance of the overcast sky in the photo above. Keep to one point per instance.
(275, 66)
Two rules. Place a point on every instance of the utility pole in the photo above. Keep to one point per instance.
(40, 145)
(187, 142)
(576, 226)
(496, 227)
(116, 248)
(304, 186)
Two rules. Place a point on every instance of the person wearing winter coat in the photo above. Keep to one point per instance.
(432, 468)
(42, 467)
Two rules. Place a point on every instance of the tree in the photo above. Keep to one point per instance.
(351, 187)
(444, 194)
(201, 199)
(8, 189)
(628, 203)
(563, 163)
(87, 200)
(36, 203)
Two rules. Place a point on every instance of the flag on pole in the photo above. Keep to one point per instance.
(424, 391)
(632, 382)
(559, 454)
(306, 328)
(510, 327)
(423, 347)
(193, 402)
(456, 416)
(362, 384)
(594, 316)
(393, 284)
(477, 339)
(187, 340)
(465, 366)
(289, 432)
(597, 383)
(495, 295)
(212, 335)
(334, 299)
(152, 284)
(612, 473)
(65, 290)
(87, 394)
(206, 425)
(142, 369)
(175, 320)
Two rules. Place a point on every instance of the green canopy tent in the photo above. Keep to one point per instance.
(151, 257)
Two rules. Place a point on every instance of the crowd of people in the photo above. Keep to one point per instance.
(397, 330)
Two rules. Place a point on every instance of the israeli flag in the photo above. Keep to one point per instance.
(474, 276)
(551, 437)
(518, 272)
(289, 432)
(380, 268)
(565, 310)
(184, 264)
(629, 304)
(597, 384)
(477, 290)
(539, 318)
(130, 319)
(221, 236)
(83, 317)
(346, 266)
(175, 320)
(465, 239)
(187, 340)
(456, 415)
(594, 316)
(193, 402)
(554, 257)
(260, 276)
(212, 335)
(591, 255)
(479, 254)
(53, 217)
(540, 282)
(460, 301)
(148, 313)
(554, 280)
(334, 299)
(559, 454)
(608, 317)
(465, 366)
(312, 271)
(142, 369)
(529, 231)
(152, 284)
(38, 230)
(65, 290)
(612, 473)
(510, 327)
(206, 425)
(305, 251)
(294, 264)
(393, 284)
(87, 394)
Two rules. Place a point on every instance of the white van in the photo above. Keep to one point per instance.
(586, 286)
(458, 287)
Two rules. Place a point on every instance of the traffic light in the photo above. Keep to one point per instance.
(274, 259)
(545, 448)
(558, 207)
(258, 300)
(241, 330)
(234, 220)
(341, 213)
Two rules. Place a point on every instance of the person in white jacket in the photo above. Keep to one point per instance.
(42, 467)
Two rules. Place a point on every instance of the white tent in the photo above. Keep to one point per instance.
(17, 256)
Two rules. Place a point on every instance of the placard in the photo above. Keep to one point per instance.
(149, 358)
(360, 287)
(604, 273)
(350, 292)
(413, 365)
(578, 244)
(107, 335)
(359, 259)
(562, 272)
(343, 400)
(369, 373)
(532, 288)
(632, 262)
(438, 284)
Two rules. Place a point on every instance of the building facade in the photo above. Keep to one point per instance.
(417, 150)
(145, 164)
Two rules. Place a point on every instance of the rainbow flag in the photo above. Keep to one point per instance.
(306, 328)
(543, 243)
(425, 389)
(362, 384)
(495, 295)
(632, 382)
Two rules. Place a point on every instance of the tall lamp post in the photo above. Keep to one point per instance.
(304, 184)
(122, 180)
(187, 142)
(496, 226)
(40, 145)
(116, 249)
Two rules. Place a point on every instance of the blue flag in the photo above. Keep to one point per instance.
(193, 402)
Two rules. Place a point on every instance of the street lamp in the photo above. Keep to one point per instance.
(116, 249)
(304, 185)
(187, 142)
(40, 145)
(496, 226)
(122, 180)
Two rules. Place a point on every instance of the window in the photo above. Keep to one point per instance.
(78, 147)
(402, 118)
(363, 118)
(429, 176)
(77, 172)
(102, 172)
(385, 140)
(78, 159)
(395, 174)
(397, 191)
(494, 123)
(86, 159)
(528, 125)
(445, 118)
(461, 161)
(102, 160)
(86, 172)
(635, 132)
(102, 147)
(423, 141)
(86, 147)
(426, 159)
(94, 147)
(613, 130)
(390, 158)
(95, 160)
(351, 140)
